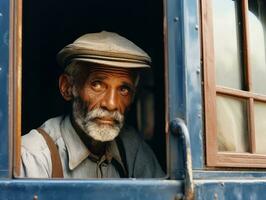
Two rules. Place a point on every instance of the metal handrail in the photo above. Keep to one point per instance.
(178, 127)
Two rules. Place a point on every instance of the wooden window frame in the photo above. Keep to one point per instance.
(215, 158)
(15, 84)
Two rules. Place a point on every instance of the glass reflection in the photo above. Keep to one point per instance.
(226, 26)
(260, 127)
(257, 33)
(232, 128)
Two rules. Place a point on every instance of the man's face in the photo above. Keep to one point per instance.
(101, 99)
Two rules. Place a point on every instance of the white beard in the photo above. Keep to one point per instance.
(98, 132)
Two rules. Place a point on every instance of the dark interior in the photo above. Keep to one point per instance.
(50, 25)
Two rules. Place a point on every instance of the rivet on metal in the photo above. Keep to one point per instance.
(35, 197)
(176, 19)
(198, 71)
(197, 27)
(179, 197)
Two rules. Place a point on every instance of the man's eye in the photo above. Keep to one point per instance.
(97, 85)
(124, 91)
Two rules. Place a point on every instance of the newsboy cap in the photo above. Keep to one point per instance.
(107, 48)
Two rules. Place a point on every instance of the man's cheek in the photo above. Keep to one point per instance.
(125, 105)
(94, 101)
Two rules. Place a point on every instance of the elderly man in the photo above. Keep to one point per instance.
(100, 79)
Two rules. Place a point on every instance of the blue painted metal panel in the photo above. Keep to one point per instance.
(177, 107)
(176, 80)
(193, 81)
(185, 96)
(210, 175)
(4, 57)
(94, 189)
(231, 190)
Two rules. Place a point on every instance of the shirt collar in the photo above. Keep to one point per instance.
(77, 151)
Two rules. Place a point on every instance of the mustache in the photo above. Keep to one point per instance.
(102, 113)
(80, 109)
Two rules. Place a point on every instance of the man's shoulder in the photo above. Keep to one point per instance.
(131, 140)
(33, 141)
(53, 126)
(141, 161)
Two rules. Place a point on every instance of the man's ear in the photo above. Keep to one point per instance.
(65, 87)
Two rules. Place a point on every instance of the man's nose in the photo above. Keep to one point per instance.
(110, 101)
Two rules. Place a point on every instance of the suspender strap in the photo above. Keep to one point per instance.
(57, 169)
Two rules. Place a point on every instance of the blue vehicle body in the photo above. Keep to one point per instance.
(185, 102)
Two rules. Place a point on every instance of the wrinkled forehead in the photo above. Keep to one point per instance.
(85, 69)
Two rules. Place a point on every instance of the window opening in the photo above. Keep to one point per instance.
(49, 26)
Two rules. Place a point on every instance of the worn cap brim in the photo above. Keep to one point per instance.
(113, 63)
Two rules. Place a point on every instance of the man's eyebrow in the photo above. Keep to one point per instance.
(99, 77)
(129, 85)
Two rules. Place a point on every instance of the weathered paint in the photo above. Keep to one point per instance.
(4, 58)
(94, 189)
(222, 174)
(185, 95)
(194, 114)
(176, 82)
(231, 189)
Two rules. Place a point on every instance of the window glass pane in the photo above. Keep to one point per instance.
(226, 26)
(232, 128)
(260, 127)
(257, 27)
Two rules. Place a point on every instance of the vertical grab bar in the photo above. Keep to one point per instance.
(179, 128)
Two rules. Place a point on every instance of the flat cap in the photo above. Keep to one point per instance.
(105, 48)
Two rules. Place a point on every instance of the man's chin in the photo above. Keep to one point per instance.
(102, 133)
(103, 138)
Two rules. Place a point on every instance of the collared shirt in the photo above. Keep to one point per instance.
(77, 161)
